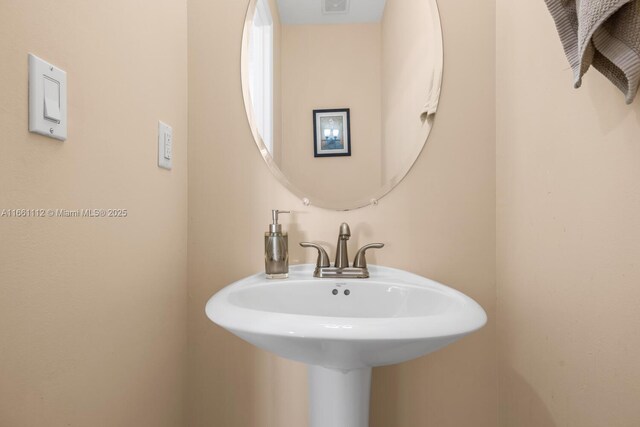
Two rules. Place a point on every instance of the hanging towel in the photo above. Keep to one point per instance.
(433, 97)
(602, 33)
(436, 62)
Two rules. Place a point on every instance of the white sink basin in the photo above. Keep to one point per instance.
(344, 327)
(392, 317)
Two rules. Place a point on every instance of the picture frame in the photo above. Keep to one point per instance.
(331, 132)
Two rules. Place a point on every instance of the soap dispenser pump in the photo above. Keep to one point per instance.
(276, 249)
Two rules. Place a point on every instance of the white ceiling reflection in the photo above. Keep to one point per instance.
(295, 12)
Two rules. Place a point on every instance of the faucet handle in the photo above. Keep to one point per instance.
(323, 258)
(360, 261)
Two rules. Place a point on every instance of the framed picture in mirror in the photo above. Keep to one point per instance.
(331, 133)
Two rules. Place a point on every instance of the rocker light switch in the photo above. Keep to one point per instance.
(51, 99)
(165, 145)
(47, 99)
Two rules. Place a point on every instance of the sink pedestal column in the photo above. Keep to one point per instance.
(339, 398)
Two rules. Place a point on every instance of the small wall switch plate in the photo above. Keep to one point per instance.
(47, 99)
(165, 145)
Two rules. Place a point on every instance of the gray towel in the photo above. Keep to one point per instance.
(602, 33)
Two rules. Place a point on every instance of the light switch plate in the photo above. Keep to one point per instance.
(47, 99)
(165, 145)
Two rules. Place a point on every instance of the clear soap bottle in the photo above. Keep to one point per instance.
(276, 249)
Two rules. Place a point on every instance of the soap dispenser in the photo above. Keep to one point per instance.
(276, 249)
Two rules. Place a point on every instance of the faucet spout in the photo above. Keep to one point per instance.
(342, 257)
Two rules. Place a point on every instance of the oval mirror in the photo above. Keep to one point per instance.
(341, 94)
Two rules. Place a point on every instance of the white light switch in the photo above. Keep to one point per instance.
(51, 99)
(47, 99)
(165, 145)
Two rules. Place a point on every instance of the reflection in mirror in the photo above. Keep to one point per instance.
(261, 71)
(341, 94)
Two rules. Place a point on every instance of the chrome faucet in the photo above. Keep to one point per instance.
(342, 258)
(341, 267)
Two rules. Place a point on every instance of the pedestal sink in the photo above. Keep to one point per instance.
(343, 328)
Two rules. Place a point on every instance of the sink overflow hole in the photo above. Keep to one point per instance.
(335, 292)
(347, 291)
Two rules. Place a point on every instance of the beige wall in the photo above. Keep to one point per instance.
(568, 235)
(331, 66)
(92, 311)
(406, 54)
(439, 222)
